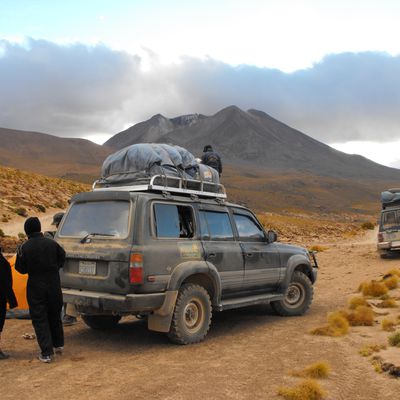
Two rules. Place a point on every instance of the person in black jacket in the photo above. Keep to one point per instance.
(6, 295)
(41, 258)
(212, 159)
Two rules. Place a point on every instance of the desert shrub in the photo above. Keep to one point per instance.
(388, 325)
(4, 219)
(384, 297)
(387, 303)
(394, 272)
(2, 234)
(361, 316)
(21, 236)
(318, 248)
(21, 211)
(59, 204)
(391, 282)
(41, 208)
(394, 339)
(373, 289)
(337, 325)
(369, 349)
(356, 301)
(367, 225)
(317, 370)
(307, 390)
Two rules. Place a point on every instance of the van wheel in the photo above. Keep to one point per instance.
(192, 315)
(298, 296)
(101, 322)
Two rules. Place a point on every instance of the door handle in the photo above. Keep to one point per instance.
(211, 255)
(249, 254)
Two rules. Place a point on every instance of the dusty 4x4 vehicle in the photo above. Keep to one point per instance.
(389, 223)
(175, 256)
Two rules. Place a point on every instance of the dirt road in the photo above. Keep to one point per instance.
(248, 353)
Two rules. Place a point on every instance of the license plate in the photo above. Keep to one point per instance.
(87, 267)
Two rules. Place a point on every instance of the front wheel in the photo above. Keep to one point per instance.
(298, 296)
(192, 315)
(101, 322)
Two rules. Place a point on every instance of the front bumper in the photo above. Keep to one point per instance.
(389, 245)
(86, 300)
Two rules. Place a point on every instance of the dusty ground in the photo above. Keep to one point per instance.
(247, 355)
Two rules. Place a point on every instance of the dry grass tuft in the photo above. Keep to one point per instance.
(388, 325)
(361, 316)
(306, 390)
(367, 225)
(394, 339)
(369, 349)
(356, 301)
(337, 326)
(394, 272)
(387, 303)
(373, 289)
(391, 282)
(318, 248)
(318, 370)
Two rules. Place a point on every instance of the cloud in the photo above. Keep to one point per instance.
(80, 90)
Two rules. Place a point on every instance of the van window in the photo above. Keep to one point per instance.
(248, 229)
(173, 221)
(215, 225)
(391, 220)
(110, 218)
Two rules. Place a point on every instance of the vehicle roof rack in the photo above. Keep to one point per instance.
(164, 183)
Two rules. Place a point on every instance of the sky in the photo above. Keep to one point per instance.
(330, 69)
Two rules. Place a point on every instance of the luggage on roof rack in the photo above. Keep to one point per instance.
(390, 198)
(160, 167)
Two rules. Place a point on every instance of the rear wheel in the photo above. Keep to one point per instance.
(298, 296)
(101, 322)
(192, 315)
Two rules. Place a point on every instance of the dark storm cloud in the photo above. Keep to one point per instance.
(77, 90)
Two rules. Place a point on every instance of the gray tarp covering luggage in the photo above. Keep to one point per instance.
(144, 160)
(390, 197)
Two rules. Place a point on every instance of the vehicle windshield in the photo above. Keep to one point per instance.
(390, 220)
(102, 217)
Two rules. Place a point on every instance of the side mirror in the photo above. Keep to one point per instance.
(272, 236)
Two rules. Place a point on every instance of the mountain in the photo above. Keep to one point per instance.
(51, 155)
(253, 138)
(152, 130)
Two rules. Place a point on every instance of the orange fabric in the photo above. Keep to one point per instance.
(19, 286)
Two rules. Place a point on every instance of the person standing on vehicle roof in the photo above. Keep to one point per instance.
(6, 295)
(212, 159)
(41, 258)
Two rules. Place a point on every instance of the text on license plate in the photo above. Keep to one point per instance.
(87, 267)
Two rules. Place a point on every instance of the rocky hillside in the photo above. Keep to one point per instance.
(51, 155)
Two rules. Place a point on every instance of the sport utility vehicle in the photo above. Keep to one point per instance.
(175, 256)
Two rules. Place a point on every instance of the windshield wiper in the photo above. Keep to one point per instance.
(84, 239)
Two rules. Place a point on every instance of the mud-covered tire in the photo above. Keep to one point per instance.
(192, 315)
(101, 322)
(298, 296)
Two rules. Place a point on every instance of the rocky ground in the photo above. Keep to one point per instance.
(248, 354)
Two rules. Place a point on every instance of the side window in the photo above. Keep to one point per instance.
(173, 221)
(389, 220)
(248, 229)
(215, 225)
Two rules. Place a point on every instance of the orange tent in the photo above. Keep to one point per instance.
(19, 287)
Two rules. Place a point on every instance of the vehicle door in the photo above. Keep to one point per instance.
(261, 258)
(220, 247)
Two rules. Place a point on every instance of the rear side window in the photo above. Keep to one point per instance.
(215, 225)
(248, 229)
(391, 220)
(173, 221)
(110, 218)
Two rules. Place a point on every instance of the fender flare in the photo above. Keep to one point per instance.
(293, 262)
